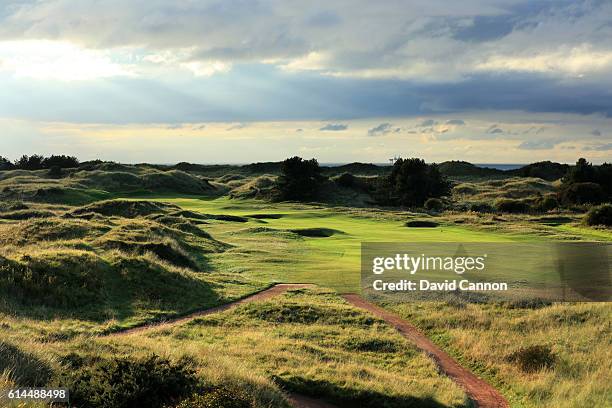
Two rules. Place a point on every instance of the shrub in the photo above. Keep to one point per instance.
(546, 203)
(346, 180)
(55, 172)
(600, 215)
(123, 382)
(434, 204)
(217, 397)
(481, 207)
(533, 358)
(509, 205)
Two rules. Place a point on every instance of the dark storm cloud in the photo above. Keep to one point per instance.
(485, 28)
(278, 95)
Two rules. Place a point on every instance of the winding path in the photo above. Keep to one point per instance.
(481, 393)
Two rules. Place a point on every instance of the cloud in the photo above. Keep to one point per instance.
(428, 41)
(237, 126)
(333, 127)
(383, 129)
(428, 123)
(494, 129)
(599, 147)
(538, 144)
(457, 122)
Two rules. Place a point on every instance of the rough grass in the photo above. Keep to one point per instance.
(109, 266)
(312, 342)
(491, 190)
(125, 208)
(551, 356)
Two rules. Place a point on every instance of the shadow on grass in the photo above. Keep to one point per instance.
(352, 397)
(24, 368)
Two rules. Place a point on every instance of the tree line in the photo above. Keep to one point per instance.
(39, 162)
(410, 183)
(413, 183)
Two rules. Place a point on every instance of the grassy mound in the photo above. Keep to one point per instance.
(125, 208)
(176, 181)
(50, 229)
(103, 265)
(26, 214)
(261, 187)
(54, 278)
(512, 188)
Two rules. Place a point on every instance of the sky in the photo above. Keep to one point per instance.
(238, 81)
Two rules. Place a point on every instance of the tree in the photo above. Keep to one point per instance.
(5, 164)
(61, 161)
(586, 184)
(582, 172)
(299, 180)
(34, 162)
(411, 183)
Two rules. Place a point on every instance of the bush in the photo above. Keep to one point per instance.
(533, 358)
(581, 193)
(546, 203)
(55, 172)
(217, 397)
(434, 204)
(124, 383)
(600, 215)
(61, 161)
(509, 205)
(481, 207)
(346, 180)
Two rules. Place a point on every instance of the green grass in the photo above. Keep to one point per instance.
(333, 261)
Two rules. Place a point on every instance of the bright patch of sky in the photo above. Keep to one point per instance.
(527, 80)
